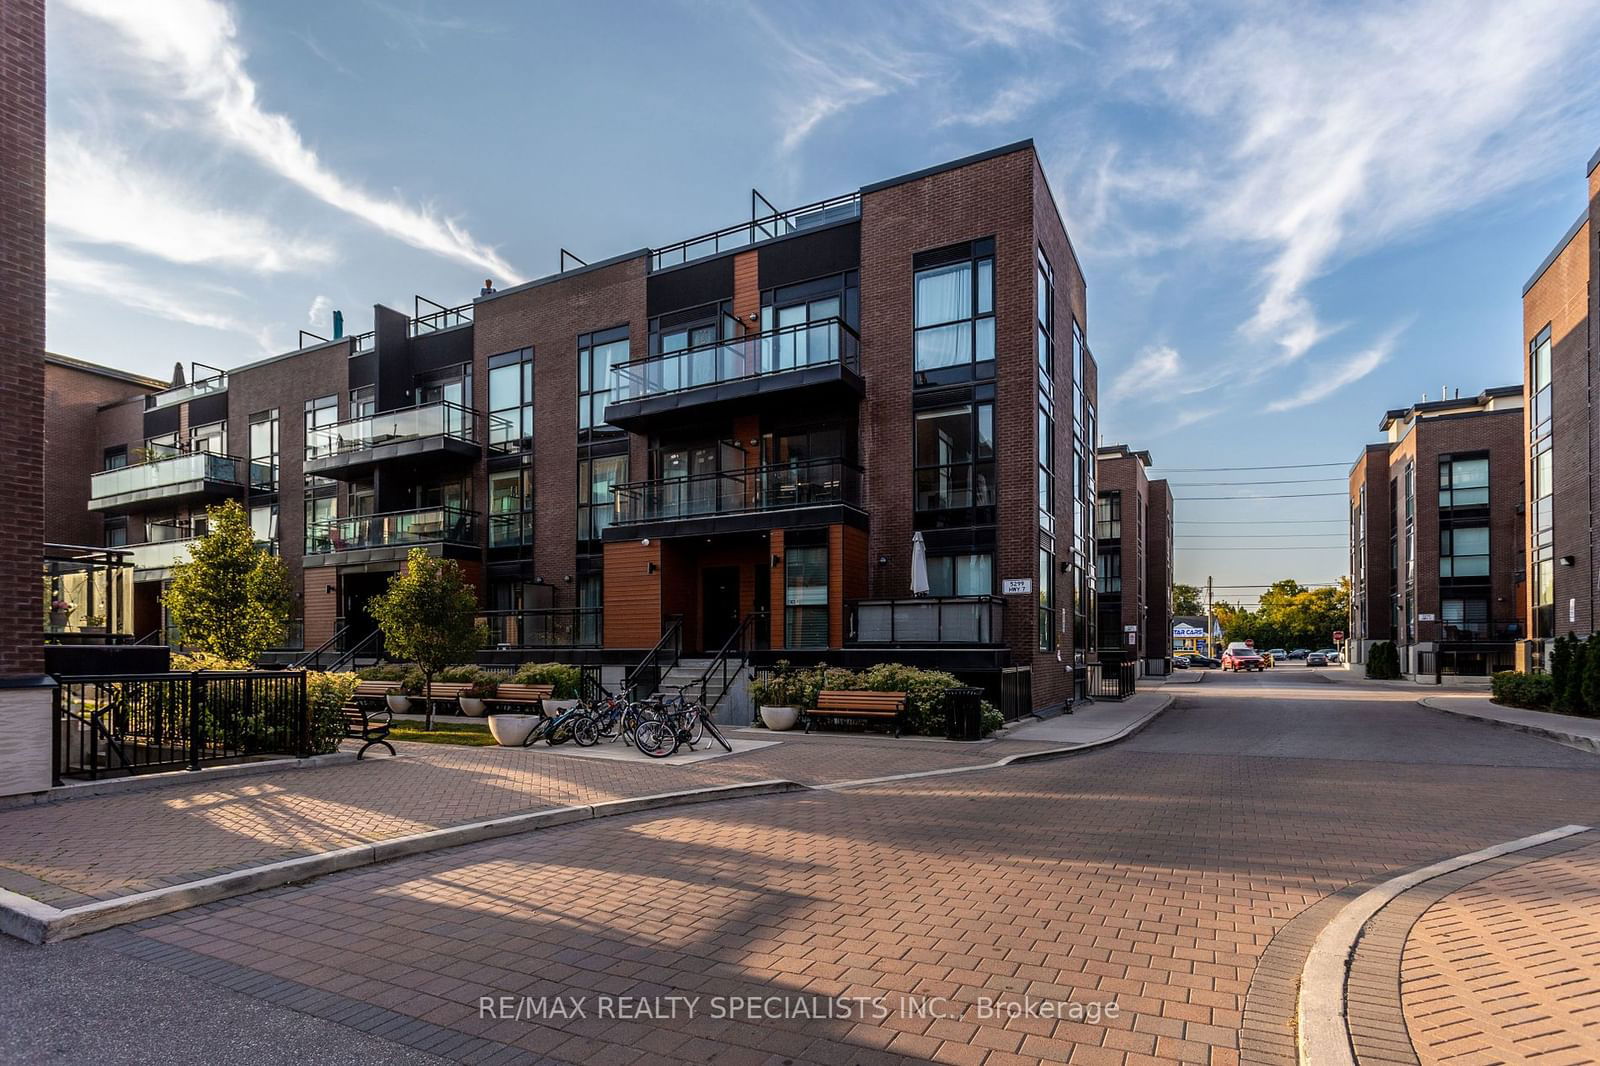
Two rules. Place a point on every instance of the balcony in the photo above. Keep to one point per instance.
(441, 433)
(388, 537)
(546, 627)
(183, 393)
(768, 227)
(169, 545)
(1478, 632)
(703, 503)
(193, 475)
(821, 358)
(966, 621)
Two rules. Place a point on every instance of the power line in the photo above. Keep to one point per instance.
(1285, 496)
(1262, 522)
(1277, 548)
(1290, 481)
(1236, 536)
(1225, 469)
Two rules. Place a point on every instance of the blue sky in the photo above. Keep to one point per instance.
(1291, 216)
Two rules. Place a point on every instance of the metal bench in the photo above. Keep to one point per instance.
(523, 695)
(865, 706)
(369, 729)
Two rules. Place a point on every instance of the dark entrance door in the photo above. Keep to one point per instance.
(358, 588)
(719, 605)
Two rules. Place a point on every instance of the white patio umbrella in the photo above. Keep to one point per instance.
(919, 566)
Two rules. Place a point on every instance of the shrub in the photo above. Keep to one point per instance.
(924, 691)
(566, 679)
(386, 672)
(992, 718)
(1383, 661)
(1589, 684)
(1561, 661)
(1515, 689)
(204, 660)
(782, 687)
(326, 694)
(483, 683)
(1568, 698)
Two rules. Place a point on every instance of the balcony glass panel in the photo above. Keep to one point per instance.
(766, 488)
(965, 620)
(409, 423)
(166, 473)
(738, 359)
(397, 529)
(203, 387)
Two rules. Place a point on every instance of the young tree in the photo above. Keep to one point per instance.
(1186, 600)
(1589, 685)
(231, 598)
(1569, 697)
(426, 615)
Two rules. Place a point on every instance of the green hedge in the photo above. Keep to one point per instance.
(327, 693)
(566, 679)
(1516, 689)
(924, 689)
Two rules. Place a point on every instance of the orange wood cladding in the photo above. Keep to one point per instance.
(747, 289)
(775, 624)
(633, 594)
(321, 606)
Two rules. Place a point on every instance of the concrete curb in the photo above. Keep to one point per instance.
(40, 923)
(145, 782)
(1321, 1016)
(1571, 740)
(1010, 760)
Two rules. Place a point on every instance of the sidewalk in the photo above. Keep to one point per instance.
(81, 862)
(1581, 733)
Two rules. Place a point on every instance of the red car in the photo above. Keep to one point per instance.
(1242, 660)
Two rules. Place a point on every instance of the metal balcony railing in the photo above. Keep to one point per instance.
(964, 620)
(392, 427)
(778, 224)
(396, 529)
(829, 341)
(546, 627)
(742, 491)
(167, 472)
(179, 394)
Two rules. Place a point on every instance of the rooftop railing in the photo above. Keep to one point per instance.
(166, 473)
(727, 492)
(181, 393)
(778, 224)
(396, 529)
(441, 317)
(829, 341)
(390, 427)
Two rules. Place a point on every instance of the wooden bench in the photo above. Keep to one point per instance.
(523, 695)
(369, 729)
(447, 690)
(867, 706)
(375, 690)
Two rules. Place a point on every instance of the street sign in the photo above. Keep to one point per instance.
(1338, 635)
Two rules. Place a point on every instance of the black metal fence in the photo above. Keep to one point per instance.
(143, 723)
(1016, 692)
(1112, 679)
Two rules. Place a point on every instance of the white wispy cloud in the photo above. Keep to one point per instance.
(319, 310)
(96, 277)
(1005, 106)
(1324, 382)
(99, 194)
(1007, 23)
(191, 48)
(1151, 370)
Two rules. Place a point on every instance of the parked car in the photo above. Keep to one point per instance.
(1278, 654)
(1201, 662)
(1332, 654)
(1180, 662)
(1316, 658)
(1237, 659)
(1300, 653)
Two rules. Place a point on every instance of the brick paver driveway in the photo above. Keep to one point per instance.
(1149, 876)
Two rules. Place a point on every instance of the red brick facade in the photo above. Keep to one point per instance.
(1371, 571)
(1123, 472)
(22, 194)
(74, 393)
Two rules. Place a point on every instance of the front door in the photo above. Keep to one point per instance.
(719, 606)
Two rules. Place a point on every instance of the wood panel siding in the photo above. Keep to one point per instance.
(321, 607)
(747, 289)
(632, 594)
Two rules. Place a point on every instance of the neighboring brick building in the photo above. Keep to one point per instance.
(1123, 567)
(1158, 579)
(736, 435)
(24, 700)
(1441, 500)
(1560, 317)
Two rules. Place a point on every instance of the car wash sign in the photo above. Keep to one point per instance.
(1185, 631)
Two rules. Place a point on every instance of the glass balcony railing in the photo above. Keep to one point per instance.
(203, 387)
(726, 492)
(391, 427)
(165, 473)
(397, 529)
(822, 343)
(511, 530)
(163, 553)
(546, 627)
(778, 224)
(967, 620)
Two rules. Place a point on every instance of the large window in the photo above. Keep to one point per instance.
(1108, 572)
(1045, 320)
(1047, 461)
(1108, 517)
(1047, 600)
(955, 309)
(1463, 482)
(363, 402)
(321, 411)
(1464, 552)
(955, 457)
(961, 575)
(510, 508)
(511, 400)
(805, 597)
(596, 507)
(319, 524)
(264, 450)
(597, 354)
(212, 438)
(264, 522)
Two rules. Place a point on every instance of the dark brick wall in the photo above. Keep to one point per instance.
(549, 317)
(22, 192)
(1369, 608)
(1126, 474)
(73, 450)
(1158, 572)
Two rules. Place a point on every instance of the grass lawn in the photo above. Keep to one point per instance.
(444, 732)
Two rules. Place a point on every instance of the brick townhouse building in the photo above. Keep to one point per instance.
(1436, 536)
(1133, 559)
(1560, 317)
(733, 438)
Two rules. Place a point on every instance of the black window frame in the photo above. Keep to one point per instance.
(974, 254)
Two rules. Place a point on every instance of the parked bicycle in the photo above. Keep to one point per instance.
(681, 722)
(575, 724)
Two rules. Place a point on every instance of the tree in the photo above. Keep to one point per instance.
(426, 615)
(1569, 697)
(231, 598)
(1186, 600)
(1289, 615)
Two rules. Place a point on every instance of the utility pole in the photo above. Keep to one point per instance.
(1211, 624)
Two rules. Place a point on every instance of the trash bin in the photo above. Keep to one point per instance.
(963, 711)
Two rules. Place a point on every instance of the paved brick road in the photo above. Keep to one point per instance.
(1508, 969)
(1151, 875)
(98, 848)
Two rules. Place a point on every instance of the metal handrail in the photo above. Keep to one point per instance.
(350, 654)
(777, 224)
(672, 637)
(740, 490)
(456, 420)
(434, 321)
(755, 355)
(736, 643)
(315, 654)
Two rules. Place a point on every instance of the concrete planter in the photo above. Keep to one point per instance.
(780, 718)
(556, 708)
(512, 730)
(472, 706)
(398, 703)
